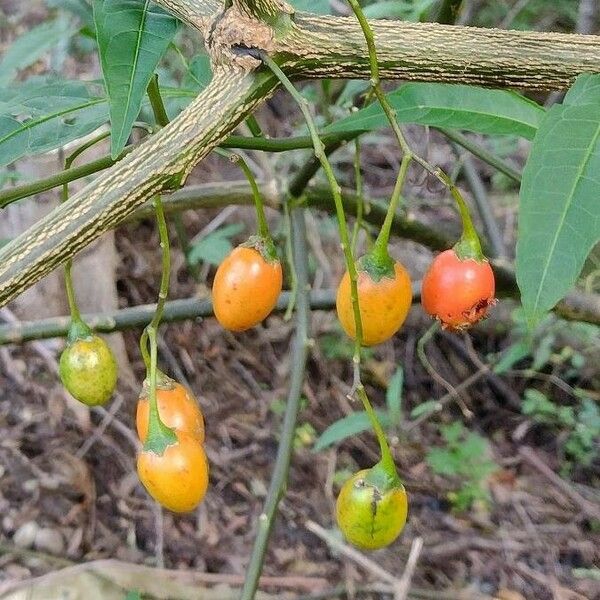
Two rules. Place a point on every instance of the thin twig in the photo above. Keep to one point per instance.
(358, 557)
(299, 356)
(452, 391)
(590, 509)
(403, 587)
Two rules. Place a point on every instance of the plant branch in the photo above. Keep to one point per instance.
(197, 13)
(332, 47)
(161, 163)
(577, 306)
(136, 317)
(238, 142)
(299, 356)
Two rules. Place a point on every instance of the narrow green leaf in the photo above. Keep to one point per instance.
(352, 424)
(451, 106)
(393, 395)
(425, 408)
(512, 355)
(132, 37)
(559, 215)
(32, 45)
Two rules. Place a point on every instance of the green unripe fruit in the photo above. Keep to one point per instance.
(88, 370)
(370, 518)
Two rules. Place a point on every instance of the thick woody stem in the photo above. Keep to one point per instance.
(161, 163)
(333, 47)
(197, 13)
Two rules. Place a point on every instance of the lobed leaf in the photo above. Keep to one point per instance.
(26, 126)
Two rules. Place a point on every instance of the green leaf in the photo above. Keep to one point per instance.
(41, 115)
(559, 215)
(132, 38)
(451, 106)
(537, 405)
(199, 73)
(350, 425)
(398, 9)
(393, 395)
(81, 8)
(512, 355)
(319, 7)
(32, 45)
(585, 90)
(216, 246)
(133, 595)
(425, 408)
(543, 352)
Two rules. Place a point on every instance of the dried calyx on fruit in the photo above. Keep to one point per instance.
(459, 286)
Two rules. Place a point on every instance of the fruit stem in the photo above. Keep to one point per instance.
(360, 201)
(263, 227)
(335, 189)
(159, 435)
(387, 460)
(71, 298)
(379, 256)
(380, 252)
(469, 245)
(164, 280)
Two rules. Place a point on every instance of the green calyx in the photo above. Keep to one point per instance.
(377, 264)
(78, 330)
(264, 246)
(383, 476)
(469, 248)
(469, 245)
(160, 437)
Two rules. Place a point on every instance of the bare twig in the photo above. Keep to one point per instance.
(590, 509)
(358, 557)
(403, 587)
(298, 361)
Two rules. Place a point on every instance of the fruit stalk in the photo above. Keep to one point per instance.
(321, 156)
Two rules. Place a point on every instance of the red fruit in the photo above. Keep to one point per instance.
(458, 292)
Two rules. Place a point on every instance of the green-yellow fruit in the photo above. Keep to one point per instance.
(88, 370)
(370, 519)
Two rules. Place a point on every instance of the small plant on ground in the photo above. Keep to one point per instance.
(465, 458)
